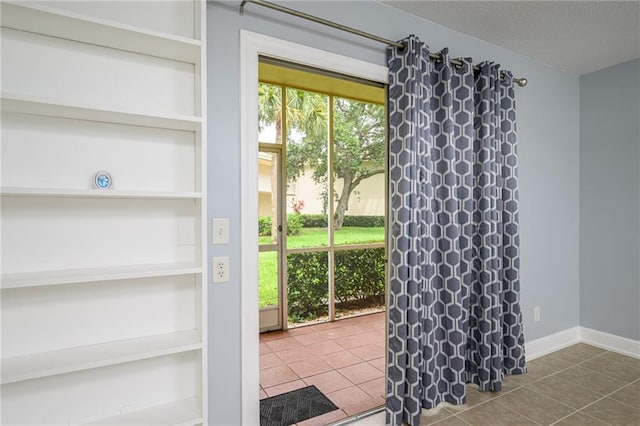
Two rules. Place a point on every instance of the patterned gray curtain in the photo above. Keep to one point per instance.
(454, 313)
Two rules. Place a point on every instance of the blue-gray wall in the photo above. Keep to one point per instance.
(610, 200)
(548, 127)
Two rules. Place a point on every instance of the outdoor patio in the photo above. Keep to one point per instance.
(344, 359)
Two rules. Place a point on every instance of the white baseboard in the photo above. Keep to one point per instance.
(610, 342)
(554, 342)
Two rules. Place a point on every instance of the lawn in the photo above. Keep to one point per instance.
(308, 237)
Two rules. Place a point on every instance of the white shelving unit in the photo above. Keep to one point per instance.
(103, 291)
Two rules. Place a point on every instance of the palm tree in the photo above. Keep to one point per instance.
(358, 141)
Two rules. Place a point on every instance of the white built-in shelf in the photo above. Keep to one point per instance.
(185, 412)
(94, 193)
(64, 361)
(62, 109)
(85, 29)
(72, 276)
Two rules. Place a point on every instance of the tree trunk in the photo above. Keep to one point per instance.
(274, 184)
(343, 201)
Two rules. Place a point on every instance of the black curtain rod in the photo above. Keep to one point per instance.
(434, 56)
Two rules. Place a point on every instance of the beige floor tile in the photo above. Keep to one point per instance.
(568, 393)
(629, 394)
(451, 421)
(493, 414)
(623, 359)
(580, 419)
(534, 406)
(592, 380)
(429, 417)
(588, 350)
(614, 412)
(474, 397)
(549, 364)
(620, 371)
(574, 355)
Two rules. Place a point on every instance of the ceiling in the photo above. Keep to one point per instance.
(575, 36)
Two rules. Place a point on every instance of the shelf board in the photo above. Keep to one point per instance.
(94, 193)
(45, 364)
(52, 108)
(85, 29)
(72, 276)
(185, 412)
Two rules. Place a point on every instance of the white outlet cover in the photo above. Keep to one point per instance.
(220, 269)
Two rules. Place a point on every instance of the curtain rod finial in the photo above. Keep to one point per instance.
(522, 82)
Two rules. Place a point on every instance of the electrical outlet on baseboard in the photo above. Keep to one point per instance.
(221, 269)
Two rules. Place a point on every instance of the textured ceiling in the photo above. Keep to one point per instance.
(575, 36)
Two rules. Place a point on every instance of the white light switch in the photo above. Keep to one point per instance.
(220, 231)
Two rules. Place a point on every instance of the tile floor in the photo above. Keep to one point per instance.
(578, 386)
(344, 359)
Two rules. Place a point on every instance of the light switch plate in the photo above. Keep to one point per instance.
(220, 231)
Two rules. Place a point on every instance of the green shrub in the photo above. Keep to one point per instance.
(294, 225)
(314, 220)
(307, 285)
(364, 221)
(264, 226)
(359, 276)
(320, 221)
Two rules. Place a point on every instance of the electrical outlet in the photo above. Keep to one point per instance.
(220, 231)
(221, 269)
(536, 314)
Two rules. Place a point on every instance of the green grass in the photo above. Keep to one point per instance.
(308, 237)
(318, 237)
(268, 278)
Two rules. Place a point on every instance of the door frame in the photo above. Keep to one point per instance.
(252, 45)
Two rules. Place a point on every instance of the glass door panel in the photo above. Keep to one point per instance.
(269, 240)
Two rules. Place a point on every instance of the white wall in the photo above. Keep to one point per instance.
(609, 200)
(548, 127)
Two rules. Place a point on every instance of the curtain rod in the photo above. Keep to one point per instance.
(434, 56)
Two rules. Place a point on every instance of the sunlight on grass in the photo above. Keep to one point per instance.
(317, 237)
(268, 279)
(309, 237)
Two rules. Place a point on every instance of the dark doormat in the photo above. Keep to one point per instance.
(293, 407)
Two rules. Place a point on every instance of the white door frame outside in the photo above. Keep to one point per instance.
(252, 45)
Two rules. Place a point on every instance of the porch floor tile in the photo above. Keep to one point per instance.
(345, 359)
